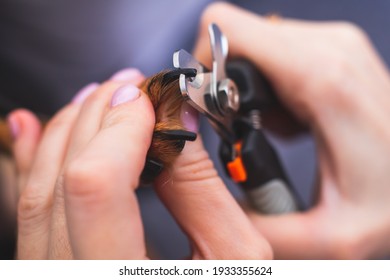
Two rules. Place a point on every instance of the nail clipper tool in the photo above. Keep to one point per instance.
(231, 95)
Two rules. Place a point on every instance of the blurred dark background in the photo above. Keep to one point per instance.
(50, 49)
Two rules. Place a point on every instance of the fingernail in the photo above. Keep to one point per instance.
(84, 93)
(13, 126)
(189, 117)
(124, 94)
(128, 74)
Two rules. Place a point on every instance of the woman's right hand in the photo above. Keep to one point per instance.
(329, 76)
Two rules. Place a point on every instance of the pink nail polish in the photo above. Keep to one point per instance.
(84, 93)
(124, 94)
(13, 126)
(190, 118)
(127, 75)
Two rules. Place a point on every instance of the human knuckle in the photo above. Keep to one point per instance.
(136, 120)
(198, 167)
(351, 34)
(331, 85)
(338, 82)
(335, 73)
(32, 206)
(116, 117)
(86, 177)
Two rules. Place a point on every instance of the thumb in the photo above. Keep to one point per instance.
(204, 208)
(101, 205)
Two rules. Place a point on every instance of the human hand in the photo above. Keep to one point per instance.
(204, 208)
(329, 76)
(67, 183)
(78, 200)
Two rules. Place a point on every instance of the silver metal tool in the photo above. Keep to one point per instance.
(212, 93)
(248, 157)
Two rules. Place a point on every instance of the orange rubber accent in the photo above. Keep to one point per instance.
(236, 167)
(237, 170)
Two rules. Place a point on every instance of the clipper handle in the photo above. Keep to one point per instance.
(256, 165)
(267, 186)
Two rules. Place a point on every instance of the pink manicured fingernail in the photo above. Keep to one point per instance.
(124, 94)
(190, 117)
(13, 125)
(84, 93)
(128, 74)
